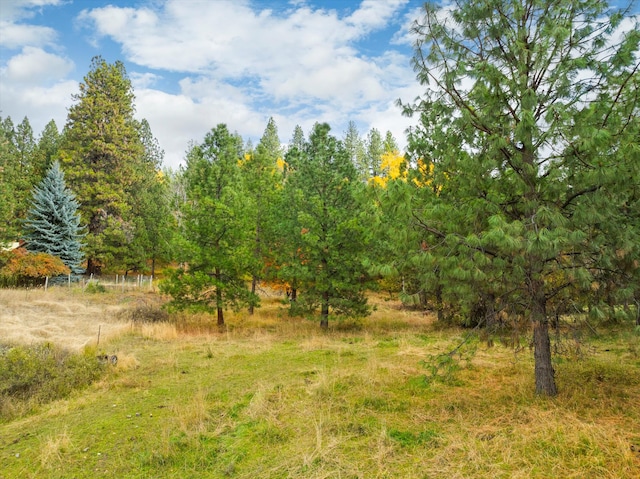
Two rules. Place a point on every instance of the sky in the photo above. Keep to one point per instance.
(197, 63)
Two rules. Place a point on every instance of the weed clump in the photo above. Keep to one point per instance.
(146, 312)
(33, 375)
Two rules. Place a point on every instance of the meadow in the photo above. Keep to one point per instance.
(272, 396)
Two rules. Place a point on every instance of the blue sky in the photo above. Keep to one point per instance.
(197, 63)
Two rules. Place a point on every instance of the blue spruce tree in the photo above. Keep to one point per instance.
(53, 223)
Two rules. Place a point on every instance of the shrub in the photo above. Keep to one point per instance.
(94, 287)
(146, 312)
(32, 375)
(22, 268)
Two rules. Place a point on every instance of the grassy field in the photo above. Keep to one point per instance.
(274, 397)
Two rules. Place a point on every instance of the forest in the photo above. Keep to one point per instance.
(516, 201)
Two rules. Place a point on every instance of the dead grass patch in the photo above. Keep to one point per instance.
(64, 317)
(53, 448)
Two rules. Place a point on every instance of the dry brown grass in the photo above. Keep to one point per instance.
(64, 317)
(54, 447)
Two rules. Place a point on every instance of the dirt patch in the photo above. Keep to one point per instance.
(66, 318)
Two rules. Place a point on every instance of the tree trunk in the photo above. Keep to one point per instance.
(92, 267)
(153, 266)
(545, 379)
(220, 317)
(219, 305)
(254, 283)
(324, 315)
(544, 373)
(439, 304)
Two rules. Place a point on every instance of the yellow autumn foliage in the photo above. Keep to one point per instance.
(391, 168)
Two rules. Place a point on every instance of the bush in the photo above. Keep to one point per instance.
(32, 375)
(22, 268)
(146, 312)
(94, 287)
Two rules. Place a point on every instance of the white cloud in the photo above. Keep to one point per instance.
(300, 53)
(15, 35)
(35, 66)
(298, 57)
(227, 61)
(374, 14)
(40, 104)
(13, 10)
(143, 80)
(177, 119)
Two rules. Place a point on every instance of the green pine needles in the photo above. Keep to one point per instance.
(53, 224)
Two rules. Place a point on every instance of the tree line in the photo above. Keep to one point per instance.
(517, 198)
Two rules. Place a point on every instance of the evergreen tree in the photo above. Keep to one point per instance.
(46, 150)
(8, 232)
(259, 172)
(53, 223)
(17, 152)
(524, 125)
(374, 150)
(390, 143)
(154, 225)
(297, 140)
(356, 150)
(330, 225)
(218, 235)
(101, 154)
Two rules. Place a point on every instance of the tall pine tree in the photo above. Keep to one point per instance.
(259, 172)
(101, 154)
(526, 121)
(217, 230)
(329, 227)
(53, 222)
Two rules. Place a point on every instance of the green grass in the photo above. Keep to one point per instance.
(274, 397)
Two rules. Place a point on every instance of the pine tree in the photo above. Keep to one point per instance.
(47, 148)
(374, 150)
(327, 226)
(53, 223)
(525, 125)
(8, 231)
(356, 150)
(260, 180)
(297, 139)
(101, 153)
(216, 229)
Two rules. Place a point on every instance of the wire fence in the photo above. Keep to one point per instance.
(122, 282)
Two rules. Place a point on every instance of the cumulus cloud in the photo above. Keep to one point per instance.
(16, 35)
(35, 66)
(374, 14)
(231, 61)
(18, 9)
(298, 59)
(299, 53)
(40, 104)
